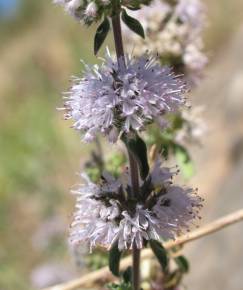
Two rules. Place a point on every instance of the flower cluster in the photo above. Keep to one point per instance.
(89, 11)
(114, 100)
(174, 31)
(85, 10)
(108, 213)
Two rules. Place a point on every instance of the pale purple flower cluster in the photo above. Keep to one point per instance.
(106, 214)
(82, 10)
(112, 100)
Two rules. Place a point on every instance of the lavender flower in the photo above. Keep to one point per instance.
(83, 10)
(174, 31)
(112, 100)
(89, 11)
(106, 213)
(94, 220)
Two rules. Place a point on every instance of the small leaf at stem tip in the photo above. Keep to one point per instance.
(160, 254)
(133, 24)
(182, 263)
(138, 148)
(101, 34)
(114, 260)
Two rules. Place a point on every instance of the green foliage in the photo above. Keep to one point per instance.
(165, 141)
(101, 34)
(172, 280)
(115, 163)
(182, 264)
(127, 275)
(160, 253)
(97, 260)
(133, 24)
(125, 281)
(184, 160)
(121, 286)
(114, 259)
(137, 147)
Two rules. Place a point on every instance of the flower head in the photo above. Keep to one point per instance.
(114, 100)
(84, 10)
(106, 213)
(89, 11)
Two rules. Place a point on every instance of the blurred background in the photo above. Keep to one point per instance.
(40, 48)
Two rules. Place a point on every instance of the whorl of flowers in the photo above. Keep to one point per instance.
(114, 100)
(84, 10)
(173, 30)
(107, 213)
(90, 11)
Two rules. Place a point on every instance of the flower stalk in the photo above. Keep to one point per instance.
(117, 33)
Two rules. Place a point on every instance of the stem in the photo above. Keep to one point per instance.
(117, 33)
(134, 174)
(116, 24)
(136, 268)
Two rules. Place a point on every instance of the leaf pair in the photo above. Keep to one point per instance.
(104, 28)
(158, 250)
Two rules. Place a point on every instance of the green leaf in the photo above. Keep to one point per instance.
(138, 149)
(120, 286)
(172, 280)
(133, 23)
(160, 253)
(184, 160)
(127, 275)
(101, 34)
(114, 260)
(182, 263)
